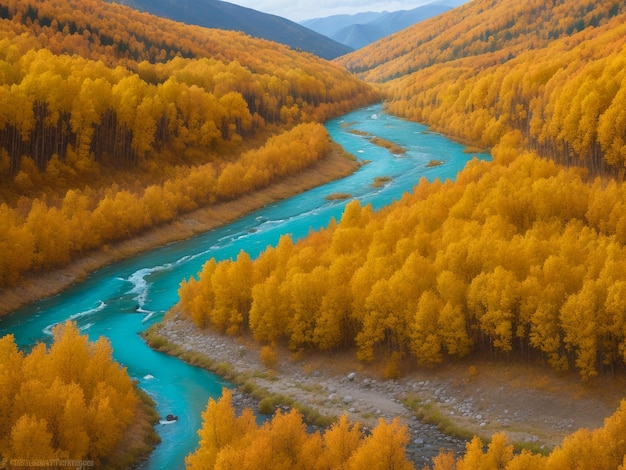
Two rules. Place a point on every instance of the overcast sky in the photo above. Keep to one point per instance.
(299, 10)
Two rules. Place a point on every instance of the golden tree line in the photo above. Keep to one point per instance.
(38, 235)
(519, 257)
(228, 441)
(119, 35)
(67, 110)
(599, 449)
(69, 401)
(563, 90)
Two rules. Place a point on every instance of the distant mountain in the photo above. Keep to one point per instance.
(224, 15)
(331, 25)
(362, 29)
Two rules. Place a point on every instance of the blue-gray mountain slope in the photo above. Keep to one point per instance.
(362, 29)
(224, 15)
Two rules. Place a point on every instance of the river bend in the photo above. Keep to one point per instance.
(123, 299)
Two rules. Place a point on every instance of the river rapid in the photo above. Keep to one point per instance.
(123, 299)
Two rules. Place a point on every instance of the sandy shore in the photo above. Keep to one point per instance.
(534, 406)
(35, 287)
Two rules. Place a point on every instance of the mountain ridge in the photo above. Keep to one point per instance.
(228, 16)
(362, 29)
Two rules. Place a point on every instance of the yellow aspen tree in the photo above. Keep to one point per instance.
(232, 290)
(73, 437)
(499, 451)
(334, 326)
(311, 451)
(384, 449)
(453, 333)
(340, 441)
(578, 320)
(222, 290)
(278, 444)
(229, 182)
(451, 288)
(615, 305)
(426, 343)
(378, 323)
(197, 297)
(17, 245)
(35, 399)
(36, 365)
(268, 315)
(144, 125)
(473, 457)
(69, 354)
(11, 362)
(31, 440)
(611, 126)
(101, 368)
(526, 460)
(544, 295)
(103, 424)
(444, 461)
(220, 429)
(305, 292)
(493, 298)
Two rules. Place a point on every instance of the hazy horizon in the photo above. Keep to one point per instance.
(310, 9)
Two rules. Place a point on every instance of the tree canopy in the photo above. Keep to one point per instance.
(552, 70)
(69, 401)
(113, 121)
(524, 257)
(228, 441)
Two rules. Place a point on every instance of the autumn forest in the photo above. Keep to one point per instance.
(156, 131)
(113, 122)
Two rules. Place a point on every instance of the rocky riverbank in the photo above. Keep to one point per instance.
(530, 404)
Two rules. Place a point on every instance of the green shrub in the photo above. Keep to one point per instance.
(266, 406)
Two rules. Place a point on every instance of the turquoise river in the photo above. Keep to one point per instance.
(122, 299)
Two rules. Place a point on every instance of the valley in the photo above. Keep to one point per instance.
(313, 232)
(124, 298)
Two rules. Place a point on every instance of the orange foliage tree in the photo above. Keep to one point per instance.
(68, 401)
(227, 442)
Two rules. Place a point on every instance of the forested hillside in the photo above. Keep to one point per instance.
(113, 121)
(551, 70)
(522, 259)
(228, 16)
